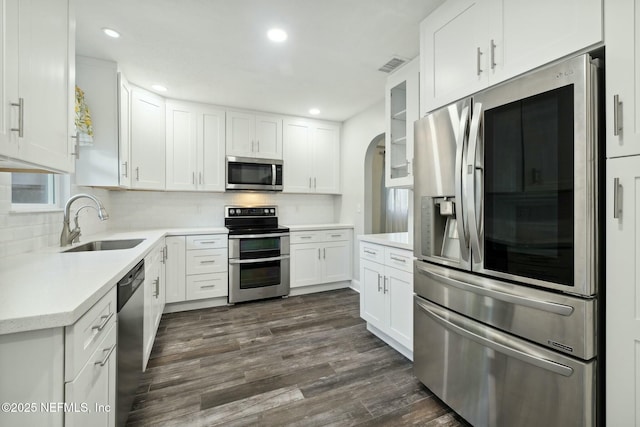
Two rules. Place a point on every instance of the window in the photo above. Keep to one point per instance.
(34, 191)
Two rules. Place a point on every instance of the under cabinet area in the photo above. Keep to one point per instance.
(401, 110)
(468, 45)
(311, 156)
(254, 135)
(319, 257)
(38, 90)
(386, 294)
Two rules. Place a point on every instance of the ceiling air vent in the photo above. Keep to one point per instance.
(392, 65)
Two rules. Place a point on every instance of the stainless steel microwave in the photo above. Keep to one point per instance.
(248, 173)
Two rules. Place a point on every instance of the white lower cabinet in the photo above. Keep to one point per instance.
(196, 267)
(90, 365)
(154, 297)
(319, 257)
(386, 294)
(93, 391)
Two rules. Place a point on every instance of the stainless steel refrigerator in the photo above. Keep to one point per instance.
(506, 240)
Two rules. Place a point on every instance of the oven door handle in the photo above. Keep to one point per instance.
(258, 260)
(256, 236)
(493, 340)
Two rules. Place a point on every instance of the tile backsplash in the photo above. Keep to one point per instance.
(130, 210)
(22, 232)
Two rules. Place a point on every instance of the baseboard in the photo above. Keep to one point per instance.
(303, 290)
(355, 285)
(175, 307)
(392, 342)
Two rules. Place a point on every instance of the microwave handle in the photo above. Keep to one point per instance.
(472, 220)
(273, 174)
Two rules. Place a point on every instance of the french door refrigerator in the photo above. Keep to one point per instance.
(506, 240)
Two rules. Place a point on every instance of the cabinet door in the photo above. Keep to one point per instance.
(373, 305)
(201, 286)
(622, 18)
(268, 137)
(9, 142)
(336, 261)
(326, 158)
(181, 142)
(95, 387)
(211, 146)
(296, 152)
(151, 297)
(305, 265)
(240, 134)
(454, 46)
(124, 128)
(46, 36)
(401, 110)
(175, 269)
(147, 140)
(623, 291)
(399, 289)
(528, 34)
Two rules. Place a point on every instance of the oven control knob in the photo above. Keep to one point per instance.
(232, 211)
(272, 211)
(266, 211)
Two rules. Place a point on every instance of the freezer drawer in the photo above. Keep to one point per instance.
(558, 321)
(495, 379)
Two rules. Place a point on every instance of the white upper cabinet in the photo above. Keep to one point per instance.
(38, 93)
(468, 45)
(147, 140)
(401, 110)
(254, 135)
(311, 156)
(622, 19)
(195, 147)
(105, 162)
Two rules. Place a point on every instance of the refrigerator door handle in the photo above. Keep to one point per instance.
(461, 223)
(479, 334)
(472, 220)
(546, 306)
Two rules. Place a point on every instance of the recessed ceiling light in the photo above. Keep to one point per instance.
(111, 33)
(159, 88)
(277, 35)
(314, 111)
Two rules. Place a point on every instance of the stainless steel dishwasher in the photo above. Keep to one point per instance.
(130, 325)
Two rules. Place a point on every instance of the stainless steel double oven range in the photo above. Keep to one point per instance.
(258, 253)
(507, 246)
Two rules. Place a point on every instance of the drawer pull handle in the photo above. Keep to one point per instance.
(305, 237)
(207, 242)
(106, 358)
(105, 320)
(211, 261)
(370, 252)
(336, 235)
(398, 259)
(207, 286)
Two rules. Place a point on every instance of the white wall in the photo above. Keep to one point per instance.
(357, 134)
(22, 232)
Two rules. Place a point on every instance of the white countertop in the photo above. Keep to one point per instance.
(312, 227)
(397, 240)
(49, 288)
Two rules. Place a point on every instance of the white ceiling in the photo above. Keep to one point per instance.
(216, 51)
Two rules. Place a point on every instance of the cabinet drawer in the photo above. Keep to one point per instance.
(83, 337)
(207, 241)
(95, 385)
(305, 237)
(206, 286)
(333, 235)
(372, 252)
(398, 258)
(207, 261)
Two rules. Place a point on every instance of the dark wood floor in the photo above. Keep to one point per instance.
(306, 361)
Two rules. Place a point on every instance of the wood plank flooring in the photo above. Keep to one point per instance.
(301, 361)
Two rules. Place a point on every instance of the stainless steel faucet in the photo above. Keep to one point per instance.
(69, 236)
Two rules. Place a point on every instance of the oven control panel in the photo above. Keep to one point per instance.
(253, 211)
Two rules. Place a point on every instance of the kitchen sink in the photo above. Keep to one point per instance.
(106, 245)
